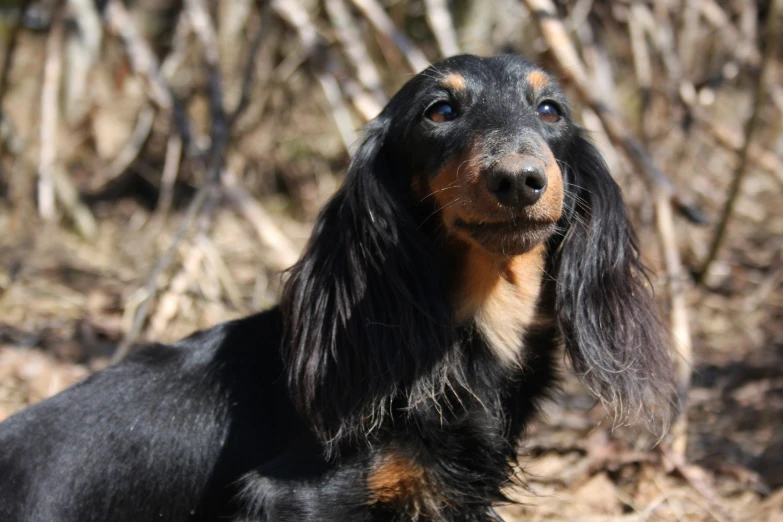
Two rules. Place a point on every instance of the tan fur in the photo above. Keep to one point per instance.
(399, 480)
(454, 81)
(459, 191)
(500, 294)
(537, 80)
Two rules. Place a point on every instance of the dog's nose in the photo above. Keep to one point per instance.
(517, 181)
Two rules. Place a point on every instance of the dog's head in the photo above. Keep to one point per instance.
(480, 139)
(473, 176)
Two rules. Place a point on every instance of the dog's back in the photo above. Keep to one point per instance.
(153, 436)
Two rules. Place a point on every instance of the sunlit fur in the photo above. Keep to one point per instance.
(415, 338)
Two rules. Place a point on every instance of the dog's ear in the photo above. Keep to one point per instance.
(364, 311)
(605, 309)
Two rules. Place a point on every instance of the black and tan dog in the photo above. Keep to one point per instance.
(476, 232)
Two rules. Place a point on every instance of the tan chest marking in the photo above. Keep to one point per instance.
(500, 295)
(399, 480)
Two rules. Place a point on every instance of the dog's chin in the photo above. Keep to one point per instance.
(508, 238)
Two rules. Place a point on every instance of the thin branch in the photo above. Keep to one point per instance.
(352, 42)
(439, 18)
(250, 69)
(142, 58)
(373, 11)
(771, 38)
(219, 132)
(168, 179)
(150, 289)
(145, 63)
(10, 51)
(677, 284)
(271, 237)
(134, 145)
(50, 115)
(295, 15)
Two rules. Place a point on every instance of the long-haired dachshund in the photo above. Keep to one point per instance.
(476, 233)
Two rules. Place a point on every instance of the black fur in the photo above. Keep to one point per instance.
(362, 397)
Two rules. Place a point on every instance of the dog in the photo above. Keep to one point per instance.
(477, 236)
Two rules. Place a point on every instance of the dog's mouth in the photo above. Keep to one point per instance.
(508, 237)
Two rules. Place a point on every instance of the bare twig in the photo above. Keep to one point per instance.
(219, 133)
(171, 165)
(141, 56)
(734, 140)
(677, 284)
(82, 51)
(169, 302)
(373, 11)
(49, 115)
(68, 196)
(642, 63)
(294, 14)
(220, 267)
(284, 253)
(150, 289)
(134, 145)
(355, 49)
(743, 50)
(250, 70)
(10, 51)
(771, 38)
(442, 26)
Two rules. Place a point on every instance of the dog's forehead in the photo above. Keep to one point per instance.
(500, 75)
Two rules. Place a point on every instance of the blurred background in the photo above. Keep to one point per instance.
(162, 161)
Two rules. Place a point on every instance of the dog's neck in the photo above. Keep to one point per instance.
(499, 295)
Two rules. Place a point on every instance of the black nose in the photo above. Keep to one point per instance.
(517, 181)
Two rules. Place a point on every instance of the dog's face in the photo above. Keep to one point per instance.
(481, 138)
(537, 242)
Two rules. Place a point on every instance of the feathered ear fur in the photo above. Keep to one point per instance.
(364, 315)
(605, 310)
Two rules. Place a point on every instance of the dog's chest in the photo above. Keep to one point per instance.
(500, 297)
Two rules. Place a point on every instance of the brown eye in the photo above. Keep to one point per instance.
(441, 112)
(549, 112)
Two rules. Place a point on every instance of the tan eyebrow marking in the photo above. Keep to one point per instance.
(454, 81)
(537, 80)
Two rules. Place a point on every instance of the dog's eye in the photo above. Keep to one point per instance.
(549, 112)
(441, 112)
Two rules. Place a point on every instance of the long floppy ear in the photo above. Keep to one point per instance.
(605, 309)
(364, 311)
